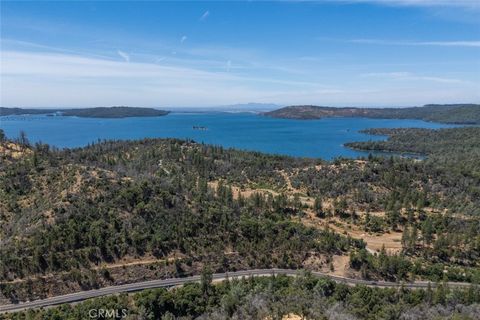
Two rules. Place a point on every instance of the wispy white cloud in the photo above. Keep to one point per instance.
(124, 55)
(7, 43)
(459, 43)
(56, 79)
(182, 39)
(204, 15)
(452, 43)
(408, 76)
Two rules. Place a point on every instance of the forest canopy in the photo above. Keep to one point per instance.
(180, 205)
(99, 112)
(445, 113)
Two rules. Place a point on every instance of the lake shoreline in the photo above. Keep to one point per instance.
(324, 138)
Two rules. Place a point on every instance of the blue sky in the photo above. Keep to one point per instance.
(168, 54)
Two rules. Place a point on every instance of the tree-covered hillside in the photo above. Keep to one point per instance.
(122, 211)
(450, 113)
(465, 141)
(100, 112)
(455, 149)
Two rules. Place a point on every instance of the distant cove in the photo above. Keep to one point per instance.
(323, 138)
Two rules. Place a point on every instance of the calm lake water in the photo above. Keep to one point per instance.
(313, 138)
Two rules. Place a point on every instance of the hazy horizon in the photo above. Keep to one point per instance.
(232, 107)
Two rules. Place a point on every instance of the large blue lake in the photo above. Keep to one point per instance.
(313, 138)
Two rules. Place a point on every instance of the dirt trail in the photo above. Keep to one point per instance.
(118, 264)
(245, 192)
(391, 241)
(375, 242)
(287, 181)
(131, 263)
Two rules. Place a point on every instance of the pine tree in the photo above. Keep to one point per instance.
(405, 237)
(413, 239)
(318, 208)
(427, 231)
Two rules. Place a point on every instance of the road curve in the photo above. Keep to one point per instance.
(131, 287)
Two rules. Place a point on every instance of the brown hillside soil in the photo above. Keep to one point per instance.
(244, 191)
(13, 151)
(391, 240)
(324, 263)
(290, 316)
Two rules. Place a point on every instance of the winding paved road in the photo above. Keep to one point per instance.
(131, 287)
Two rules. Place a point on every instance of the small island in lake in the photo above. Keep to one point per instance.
(445, 113)
(100, 112)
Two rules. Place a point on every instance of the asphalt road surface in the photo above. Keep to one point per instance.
(131, 287)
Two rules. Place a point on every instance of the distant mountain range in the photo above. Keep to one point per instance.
(445, 113)
(241, 107)
(101, 112)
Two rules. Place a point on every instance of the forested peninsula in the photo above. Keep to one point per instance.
(100, 112)
(439, 142)
(445, 113)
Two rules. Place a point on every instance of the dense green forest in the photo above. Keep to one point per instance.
(100, 112)
(425, 141)
(275, 298)
(74, 211)
(19, 111)
(449, 113)
(65, 210)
